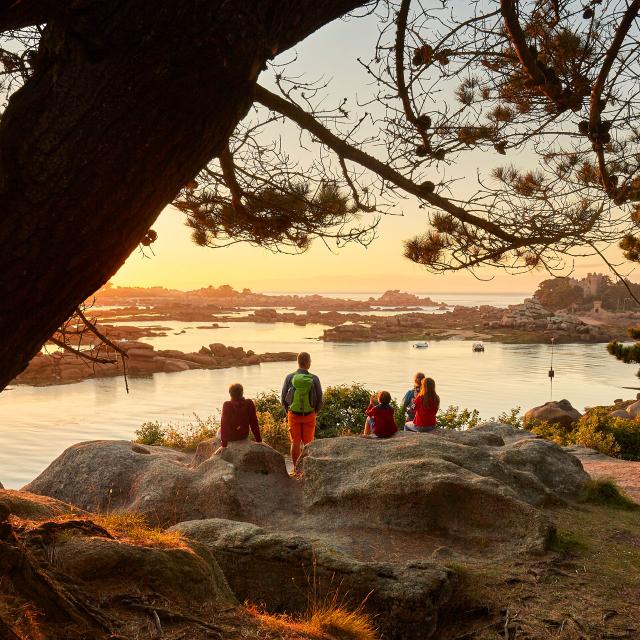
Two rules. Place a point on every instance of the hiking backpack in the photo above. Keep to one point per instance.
(301, 394)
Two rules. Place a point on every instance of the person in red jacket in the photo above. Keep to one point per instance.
(427, 404)
(238, 416)
(381, 421)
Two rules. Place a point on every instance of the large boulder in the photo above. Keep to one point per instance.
(285, 571)
(556, 412)
(634, 409)
(621, 413)
(248, 481)
(447, 484)
(183, 574)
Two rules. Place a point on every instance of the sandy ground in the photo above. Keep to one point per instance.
(626, 474)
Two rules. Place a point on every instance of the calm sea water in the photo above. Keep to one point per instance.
(37, 424)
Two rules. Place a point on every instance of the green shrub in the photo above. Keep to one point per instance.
(551, 431)
(513, 417)
(627, 436)
(151, 433)
(594, 433)
(598, 430)
(185, 437)
(605, 492)
(269, 402)
(274, 432)
(455, 418)
(343, 410)
(399, 414)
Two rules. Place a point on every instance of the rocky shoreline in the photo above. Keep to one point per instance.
(527, 322)
(143, 360)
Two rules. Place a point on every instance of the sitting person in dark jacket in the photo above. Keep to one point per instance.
(380, 421)
(238, 416)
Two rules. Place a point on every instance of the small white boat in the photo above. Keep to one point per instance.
(478, 347)
(420, 345)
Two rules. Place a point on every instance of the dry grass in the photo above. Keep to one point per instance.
(327, 621)
(340, 622)
(132, 527)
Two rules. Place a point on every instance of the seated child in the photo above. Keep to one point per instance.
(380, 421)
(427, 404)
(238, 416)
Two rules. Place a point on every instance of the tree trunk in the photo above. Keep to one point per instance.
(128, 101)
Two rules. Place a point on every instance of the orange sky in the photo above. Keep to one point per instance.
(178, 263)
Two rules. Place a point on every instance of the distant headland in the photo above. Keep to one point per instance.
(590, 310)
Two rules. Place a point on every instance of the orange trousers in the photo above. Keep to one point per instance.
(302, 428)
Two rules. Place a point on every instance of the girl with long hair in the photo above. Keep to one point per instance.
(427, 403)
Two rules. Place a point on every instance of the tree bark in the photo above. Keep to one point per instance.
(128, 101)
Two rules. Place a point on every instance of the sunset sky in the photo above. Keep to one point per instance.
(178, 263)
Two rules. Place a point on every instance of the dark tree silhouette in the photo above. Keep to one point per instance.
(551, 84)
(120, 104)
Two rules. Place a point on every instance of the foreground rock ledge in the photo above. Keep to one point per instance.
(460, 486)
(372, 519)
(84, 583)
(467, 487)
(280, 569)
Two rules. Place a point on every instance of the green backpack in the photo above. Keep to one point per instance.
(301, 393)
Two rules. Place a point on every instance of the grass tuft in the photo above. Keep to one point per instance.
(341, 622)
(606, 493)
(328, 621)
(133, 528)
(568, 543)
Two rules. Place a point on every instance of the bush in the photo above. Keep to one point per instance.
(550, 431)
(151, 433)
(612, 436)
(274, 432)
(593, 430)
(185, 437)
(513, 417)
(269, 402)
(343, 410)
(597, 430)
(459, 419)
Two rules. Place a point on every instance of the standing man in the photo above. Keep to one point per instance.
(301, 398)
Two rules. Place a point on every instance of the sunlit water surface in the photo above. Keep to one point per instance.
(37, 424)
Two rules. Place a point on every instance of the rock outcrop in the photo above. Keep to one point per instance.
(634, 409)
(280, 569)
(457, 485)
(247, 482)
(88, 582)
(473, 486)
(34, 507)
(556, 412)
(143, 360)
